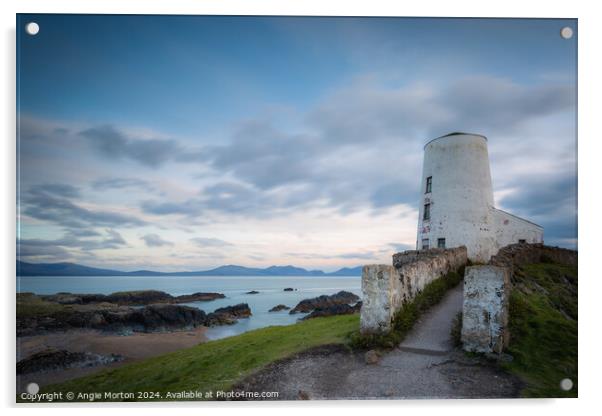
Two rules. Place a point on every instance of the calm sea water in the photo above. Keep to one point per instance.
(270, 294)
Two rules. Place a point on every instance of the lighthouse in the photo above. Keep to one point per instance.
(456, 201)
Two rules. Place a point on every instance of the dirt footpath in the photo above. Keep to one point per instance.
(424, 366)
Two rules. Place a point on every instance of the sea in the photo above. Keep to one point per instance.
(235, 288)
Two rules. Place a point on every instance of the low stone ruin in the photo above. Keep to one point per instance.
(485, 308)
(386, 288)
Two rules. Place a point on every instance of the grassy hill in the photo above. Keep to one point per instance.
(215, 365)
(543, 328)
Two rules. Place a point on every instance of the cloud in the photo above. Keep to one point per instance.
(500, 105)
(154, 240)
(541, 196)
(357, 149)
(265, 156)
(115, 240)
(62, 248)
(57, 189)
(210, 242)
(398, 247)
(112, 143)
(361, 147)
(371, 111)
(84, 233)
(365, 142)
(44, 204)
(189, 207)
(26, 250)
(107, 183)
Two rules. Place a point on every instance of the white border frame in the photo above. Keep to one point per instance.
(589, 150)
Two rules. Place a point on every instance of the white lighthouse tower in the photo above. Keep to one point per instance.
(457, 207)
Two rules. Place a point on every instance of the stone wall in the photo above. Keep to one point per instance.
(386, 288)
(485, 308)
(519, 254)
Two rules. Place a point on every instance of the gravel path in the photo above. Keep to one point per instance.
(424, 366)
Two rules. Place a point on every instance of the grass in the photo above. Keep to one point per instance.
(407, 316)
(31, 306)
(215, 365)
(543, 328)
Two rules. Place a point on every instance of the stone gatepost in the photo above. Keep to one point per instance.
(377, 287)
(485, 309)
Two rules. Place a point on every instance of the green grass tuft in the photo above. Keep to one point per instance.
(32, 306)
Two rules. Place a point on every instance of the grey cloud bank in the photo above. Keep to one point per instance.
(359, 148)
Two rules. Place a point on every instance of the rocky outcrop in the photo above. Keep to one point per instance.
(252, 292)
(332, 310)
(136, 297)
(163, 317)
(289, 289)
(35, 316)
(199, 297)
(52, 359)
(279, 308)
(151, 318)
(228, 315)
(515, 255)
(324, 301)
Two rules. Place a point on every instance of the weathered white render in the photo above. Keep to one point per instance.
(456, 207)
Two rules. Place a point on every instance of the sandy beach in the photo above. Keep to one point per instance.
(132, 348)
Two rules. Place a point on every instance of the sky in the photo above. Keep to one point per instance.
(189, 142)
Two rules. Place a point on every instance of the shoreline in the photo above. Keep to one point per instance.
(132, 348)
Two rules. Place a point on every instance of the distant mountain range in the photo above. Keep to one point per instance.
(72, 269)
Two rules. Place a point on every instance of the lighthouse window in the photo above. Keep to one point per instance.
(425, 244)
(429, 184)
(441, 242)
(427, 212)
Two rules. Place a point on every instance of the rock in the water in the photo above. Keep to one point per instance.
(159, 317)
(199, 297)
(52, 359)
(371, 357)
(134, 297)
(324, 301)
(289, 289)
(228, 315)
(252, 292)
(279, 308)
(110, 317)
(332, 310)
(63, 312)
(241, 310)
